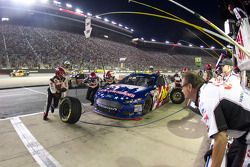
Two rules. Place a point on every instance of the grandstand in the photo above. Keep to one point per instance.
(45, 37)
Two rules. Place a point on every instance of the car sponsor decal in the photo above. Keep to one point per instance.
(119, 92)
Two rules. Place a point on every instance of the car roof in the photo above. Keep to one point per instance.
(143, 74)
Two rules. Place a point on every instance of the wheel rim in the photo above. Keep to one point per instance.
(177, 96)
(65, 110)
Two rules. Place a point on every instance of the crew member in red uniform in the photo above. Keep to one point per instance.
(208, 73)
(58, 84)
(93, 83)
(177, 80)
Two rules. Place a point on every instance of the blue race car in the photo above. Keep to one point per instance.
(136, 95)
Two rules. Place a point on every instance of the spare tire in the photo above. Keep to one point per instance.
(177, 96)
(70, 110)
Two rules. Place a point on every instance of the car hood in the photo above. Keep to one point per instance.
(124, 91)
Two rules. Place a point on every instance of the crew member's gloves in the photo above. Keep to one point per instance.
(63, 90)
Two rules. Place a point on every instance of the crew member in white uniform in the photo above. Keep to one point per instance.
(229, 76)
(223, 110)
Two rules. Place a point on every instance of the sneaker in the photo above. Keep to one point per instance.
(52, 109)
(45, 117)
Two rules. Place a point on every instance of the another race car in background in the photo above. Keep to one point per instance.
(19, 73)
(136, 95)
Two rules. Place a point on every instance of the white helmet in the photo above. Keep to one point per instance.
(66, 64)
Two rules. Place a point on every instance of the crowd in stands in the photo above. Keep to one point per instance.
(36, 47)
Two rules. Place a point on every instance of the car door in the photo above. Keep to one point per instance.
(161, 92)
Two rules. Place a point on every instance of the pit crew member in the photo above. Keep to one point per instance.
(109, 78)
(58, 84)
(93, 83)
(223, 111)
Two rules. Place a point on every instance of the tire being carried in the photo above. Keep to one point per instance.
(177, 96)
(70, 110)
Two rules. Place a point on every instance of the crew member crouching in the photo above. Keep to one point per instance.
(58, 84)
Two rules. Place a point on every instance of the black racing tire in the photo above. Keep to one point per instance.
(70, 110)
(177, 96)
(147, 106)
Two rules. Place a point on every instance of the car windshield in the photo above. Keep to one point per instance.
(144, 81)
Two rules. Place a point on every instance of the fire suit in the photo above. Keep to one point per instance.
(227, 109)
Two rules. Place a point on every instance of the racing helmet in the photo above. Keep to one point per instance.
(109, 74)
(60, 72)
(184, 69)
(92, 75)
(208, 67)
(151, 67)
(66, 64)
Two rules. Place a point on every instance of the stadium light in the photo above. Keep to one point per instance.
(142, 38)
(167, 42)
(132, 30)
(68, 5)
(126, 28)
(89, 14)
(78, 10)
(179, 43)
(44, 1)
(120, 25)
(190, 45)
(106, 36)
(98, 17)
(224, 48)
(153, 40)
(230, 46)
(212, 47)
(56, 2)
(201, 46)
(113, 22)
(24, 2)
(5, 19)
(106, 20)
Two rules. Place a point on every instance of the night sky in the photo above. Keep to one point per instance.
(157, 28)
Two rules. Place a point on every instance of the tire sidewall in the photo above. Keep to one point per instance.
(173, 95)
(63, 104)
(147, 106)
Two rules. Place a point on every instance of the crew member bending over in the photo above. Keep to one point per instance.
(58, 84)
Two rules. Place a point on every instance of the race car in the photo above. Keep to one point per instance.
(77, 80)
(136, 95)
(19, 73)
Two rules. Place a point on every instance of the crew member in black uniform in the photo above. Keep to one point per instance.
(58, 84)
(223, 110)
